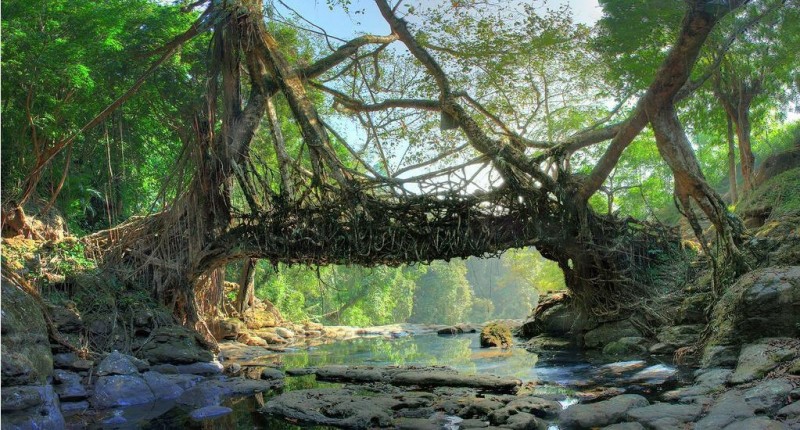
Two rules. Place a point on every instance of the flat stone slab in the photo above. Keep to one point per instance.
(427, 377)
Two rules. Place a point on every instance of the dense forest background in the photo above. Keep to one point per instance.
(66, 61)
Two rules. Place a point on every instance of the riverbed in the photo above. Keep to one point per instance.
(563, 375)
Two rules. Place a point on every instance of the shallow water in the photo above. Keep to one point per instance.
(561, 373)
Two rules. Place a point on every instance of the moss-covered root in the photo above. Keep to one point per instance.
(496, 334)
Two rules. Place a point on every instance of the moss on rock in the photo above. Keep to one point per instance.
(496, 334)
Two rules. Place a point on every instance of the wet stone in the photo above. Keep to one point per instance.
(602, 413)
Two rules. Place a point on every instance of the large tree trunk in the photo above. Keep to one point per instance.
(731, 161)
(691, 186)
(246, 295)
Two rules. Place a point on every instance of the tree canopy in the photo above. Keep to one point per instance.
(240, 130)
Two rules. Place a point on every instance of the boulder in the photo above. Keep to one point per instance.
(175, 345)
(212, 391)
(524, 421)
(26, 356)
(756, 360)
(665, 416)
(20, 398)
(626, 346)
(31, 407)
(68, 386)
(116, 364)
(163, 387)
(555, 316)
(495, 334)
(681, 335)
(121, 390)
(693, 308)
(764, 301)
(610, 332)
(284, 333)
(602, 413)
(228, 328)
(66, 319)
(760, 423)
(334, 407)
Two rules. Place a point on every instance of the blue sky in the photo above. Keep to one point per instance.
(365, 18)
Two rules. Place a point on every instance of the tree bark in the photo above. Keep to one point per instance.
(246, 296)
(731, 161)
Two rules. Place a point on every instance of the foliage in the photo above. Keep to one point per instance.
(63, 62)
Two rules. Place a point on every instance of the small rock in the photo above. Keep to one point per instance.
(449, 331)
(284, 332)
(116, 364)
(524, 421)
(624, 426)
(64, 360)
(209, 412)
(74, 407)
(69, 386)
(272, 373)
(233, 369)
(473, 424)
(81, 364)
(478, 407)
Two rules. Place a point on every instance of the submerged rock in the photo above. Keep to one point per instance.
(209, 412)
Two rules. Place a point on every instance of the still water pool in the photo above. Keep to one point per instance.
(567, 374)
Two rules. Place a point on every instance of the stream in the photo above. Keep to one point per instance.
(564, 375)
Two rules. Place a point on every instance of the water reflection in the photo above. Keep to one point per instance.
(558, 373)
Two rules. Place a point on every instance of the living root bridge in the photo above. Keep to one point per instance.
(373, 233)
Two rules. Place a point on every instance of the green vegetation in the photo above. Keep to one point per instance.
(474, 290)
